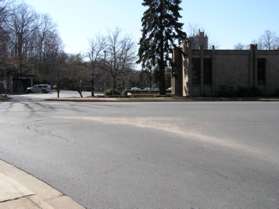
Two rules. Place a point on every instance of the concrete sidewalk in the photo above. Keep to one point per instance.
(19, 190)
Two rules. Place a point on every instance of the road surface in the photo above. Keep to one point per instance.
(192, 155)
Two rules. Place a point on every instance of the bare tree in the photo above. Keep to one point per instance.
(45, 48)
(30, 41)
(46, 31)
(119, 55)
(97, 48)
(34, 41)
(75, 73)
(239, 46)
(193, 30)
(60, 67)
(269, 41)
(3, 32)
(3, 11)
(22, 24)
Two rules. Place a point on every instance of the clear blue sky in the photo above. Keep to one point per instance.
(226, 21)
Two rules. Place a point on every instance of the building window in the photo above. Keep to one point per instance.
(261, 71)
(196, 71)
(208, 71)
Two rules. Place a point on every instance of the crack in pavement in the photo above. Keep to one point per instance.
(166, 125)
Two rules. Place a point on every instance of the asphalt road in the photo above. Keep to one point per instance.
(148, 155)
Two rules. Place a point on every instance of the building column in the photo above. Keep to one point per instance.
(214, 77)
(253, 66)
(187, 51)
(202, 70)
(177, 73)
(190, 69)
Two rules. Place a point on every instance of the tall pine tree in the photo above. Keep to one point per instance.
(161, 32)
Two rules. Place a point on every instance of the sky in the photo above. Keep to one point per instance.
(227, 22)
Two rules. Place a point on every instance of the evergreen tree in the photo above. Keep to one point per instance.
(161, 32)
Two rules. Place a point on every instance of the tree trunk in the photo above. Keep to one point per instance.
(80, 89)
(114, 84)
(93, 82)
(162, 81)
(150, 80)
(80, 93)
(58, 92)
(58, 82)
(92, 87)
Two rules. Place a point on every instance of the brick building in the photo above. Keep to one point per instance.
(211, 72)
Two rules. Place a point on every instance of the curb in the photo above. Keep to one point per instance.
(22, 190)
(170, 99)
(113, 100)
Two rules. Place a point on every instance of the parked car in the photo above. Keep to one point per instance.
(169, 89)
(39, 88)
(147, 89)
(135, 89)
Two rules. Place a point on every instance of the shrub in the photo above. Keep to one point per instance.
(226, 91)
(229, 91)
(2, 89)
(111, 92)
(248, 92)
(3, 97)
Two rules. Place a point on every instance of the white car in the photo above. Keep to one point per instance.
(39, 88)
(136, 89)
(147, 89)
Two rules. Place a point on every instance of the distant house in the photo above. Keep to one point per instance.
(211, 72)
